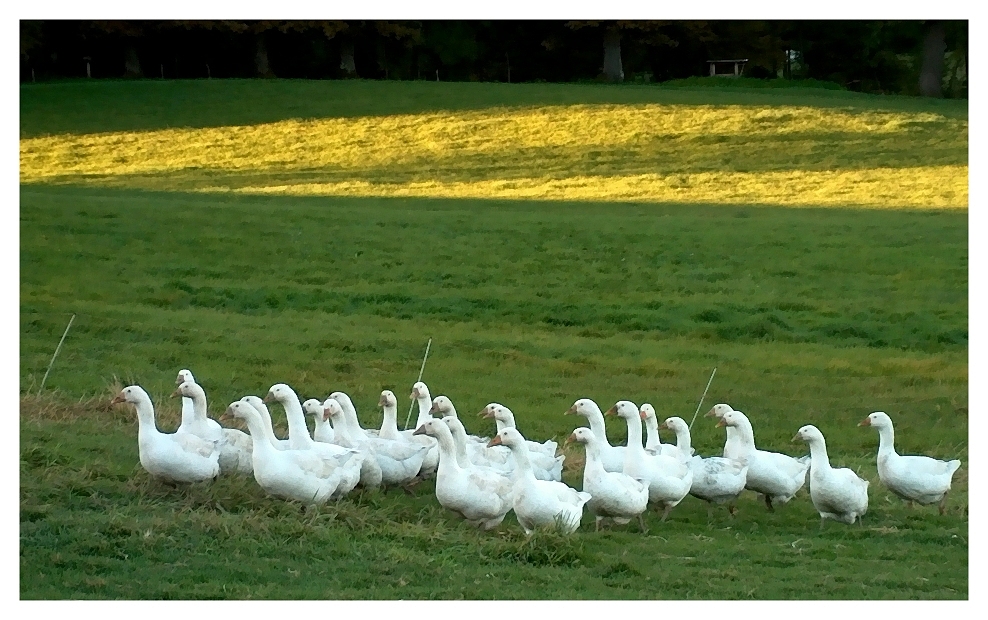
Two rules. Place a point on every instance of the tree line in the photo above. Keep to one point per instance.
(904, 57)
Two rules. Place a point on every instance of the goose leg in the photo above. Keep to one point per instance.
(943, 504)
(768, 502)
(822, 520)
(641, 523)
(732, 509)
(597, 524)
(665, 513)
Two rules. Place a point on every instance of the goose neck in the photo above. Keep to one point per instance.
(597, 426)
(635, 435)
(298, 432)
(261, 434)
(818, 454)
(886, 440)
(145, 417)
(652, 432)
(684, 442)
(425, 406)
(389, 426)
(447, 450)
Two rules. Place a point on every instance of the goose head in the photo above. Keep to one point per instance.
(454, 425)
(132, 394)
(808, 433)
(332, 409)
(490, 411)
(188, 389)
(718, 411)
(420, 392)
(239, 410)
(256, 403)
(878, 419)
(313, 407)
(443, 406)
(388, 399)
(344, 400)
(647, 411)
(624, 409)
(731, 418)
(507, 436)
(674, 424)
(432, 428)
(584, 407)
(184, 375)
(279, 392)
(581, 435)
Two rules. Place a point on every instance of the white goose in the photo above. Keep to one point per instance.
(203, 426)
(323, 430)
(654, 443)
(837, 494)
(920, 479)
(732, 445)
(398, 461)
(299, 438)
(481, 497)
(540, 503)
(614, 495)
(611, 457)
(389, 430)
(257, 403)
(543, 466)
(234, 444)
(173, 457)
(302, 475)
(776, 476)
(715, 479)
(668, 478)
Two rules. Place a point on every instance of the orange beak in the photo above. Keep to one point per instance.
(178, 380)
(570, 439)
(486, 413)
(570, 411)
(795, 437)
(434, 408)
(664, 426)
(420, 430)
(865, 422)
(720, 423)
(226, 417)
(175, 394)
(269, 398)
(414, 394)
(381, 402)
(611, 411)
(643, 415)
(710, 413)
(119, 398)
(496, 441)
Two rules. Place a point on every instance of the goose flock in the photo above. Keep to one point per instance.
(482, 479)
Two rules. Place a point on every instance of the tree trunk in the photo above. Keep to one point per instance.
(346, 59)
(261, 57)
(934, 46)
(612, 55)
(132, 64)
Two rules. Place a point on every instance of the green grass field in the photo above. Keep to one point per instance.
(214, 225)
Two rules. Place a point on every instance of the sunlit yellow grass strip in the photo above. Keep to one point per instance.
(784, 155)
(931, 187)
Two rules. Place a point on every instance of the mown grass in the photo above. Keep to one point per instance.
(772, 153)
(810, 315)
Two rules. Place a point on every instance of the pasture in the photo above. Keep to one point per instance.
(555, 242)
